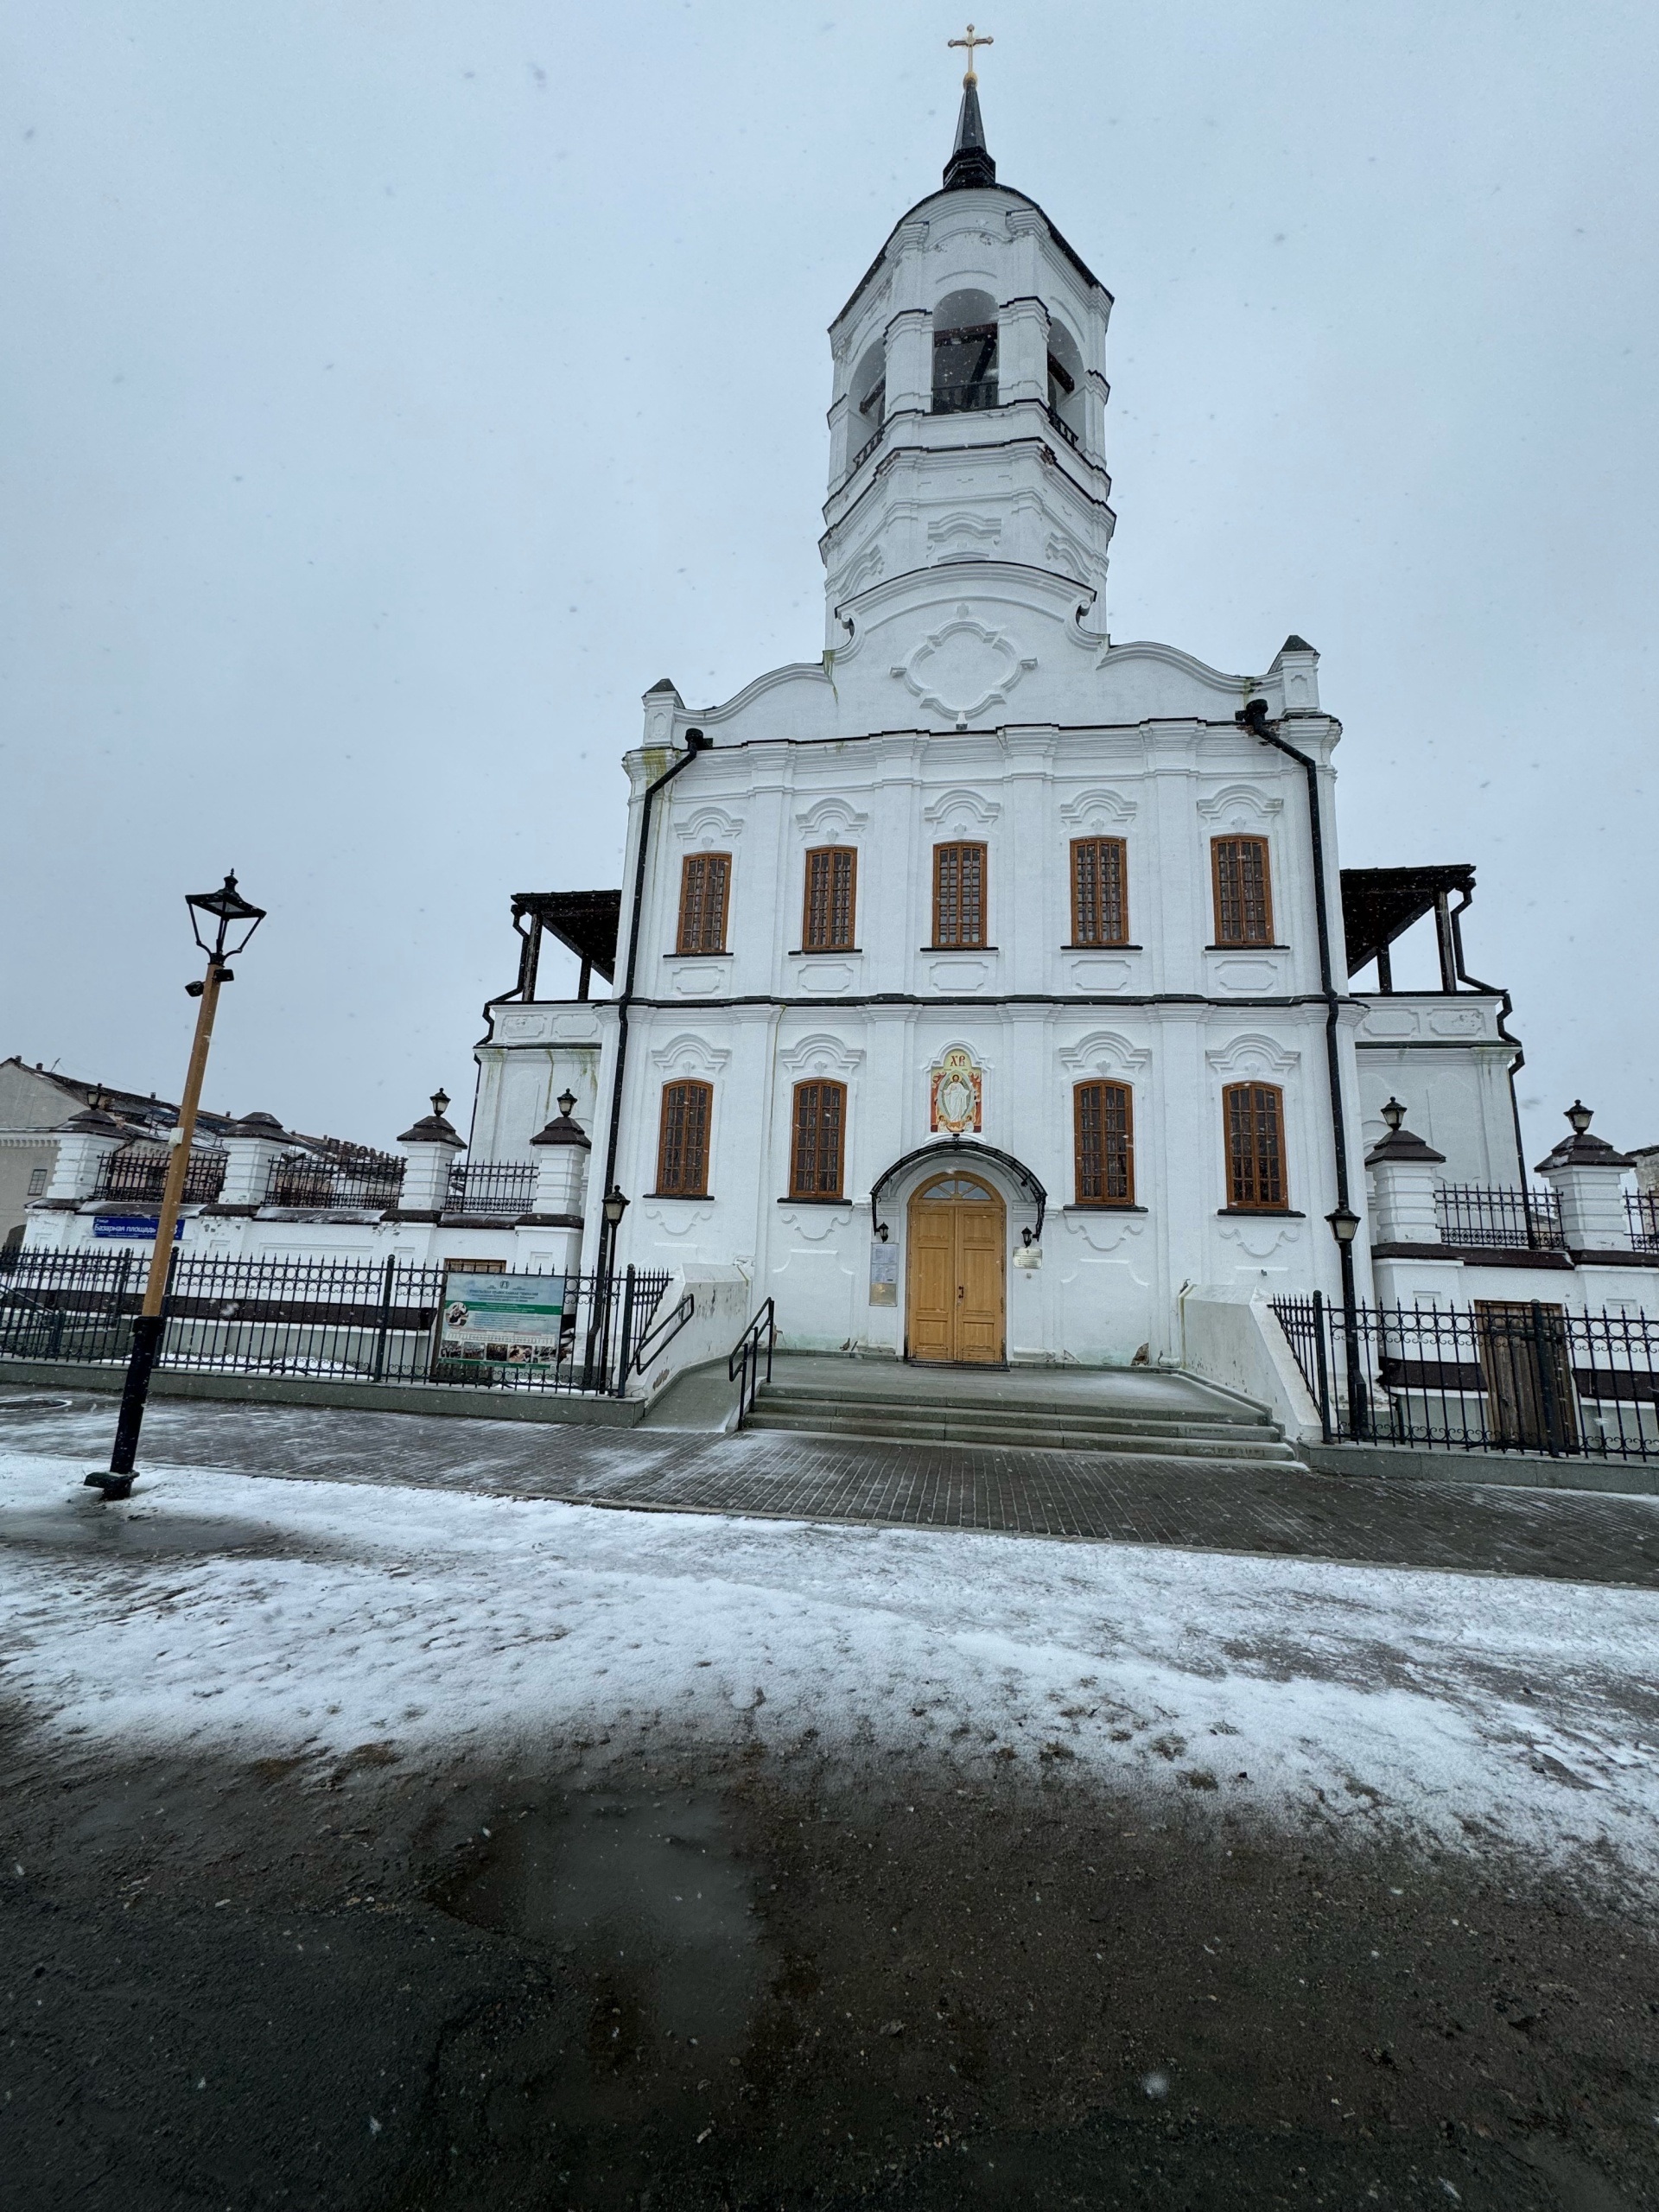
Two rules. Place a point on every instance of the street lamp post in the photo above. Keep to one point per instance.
(612, 1207)
(224, 911)
(1345, 1227)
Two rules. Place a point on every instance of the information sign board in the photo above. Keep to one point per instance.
(503, 1320)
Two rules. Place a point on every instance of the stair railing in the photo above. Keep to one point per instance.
(743, 1367)
(663, 1335)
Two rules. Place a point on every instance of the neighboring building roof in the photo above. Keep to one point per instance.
(141, 1115)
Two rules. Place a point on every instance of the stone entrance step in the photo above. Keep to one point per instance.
(908, 1406)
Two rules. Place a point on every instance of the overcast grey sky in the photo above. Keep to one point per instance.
(393, 393)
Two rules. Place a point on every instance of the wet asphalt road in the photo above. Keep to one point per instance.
(651, 1980)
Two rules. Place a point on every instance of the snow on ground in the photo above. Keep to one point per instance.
(1444, 1707)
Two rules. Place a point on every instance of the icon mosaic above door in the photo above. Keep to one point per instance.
(957, 1094)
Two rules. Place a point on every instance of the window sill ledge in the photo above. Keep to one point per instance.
(1102, 1205)
(698, 956)
(1247, 947)
(817, 1202)
(1259, 1213)
(824, 952)
(690, 1197)
(959, 948)
(1106, 944)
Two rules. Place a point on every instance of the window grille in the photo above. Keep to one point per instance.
(958, 895)
(1256, 1174)
(1104, 1125)
(37, 1181)
(683, 1141)
(815, 1153)
(1099, 904)
(831, 879)
(705, 883)
(1243, 899)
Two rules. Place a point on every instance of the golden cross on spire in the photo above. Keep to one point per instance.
(970, 42)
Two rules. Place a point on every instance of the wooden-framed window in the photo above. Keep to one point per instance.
(1103, 1126)
(683, 1141)
(1100, 900)
(1255, 1115)
(831, 911)
(816, 1146)
(1243, 893)
(959, 895)
(705, 885)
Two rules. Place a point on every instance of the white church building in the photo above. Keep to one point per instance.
(983, 989)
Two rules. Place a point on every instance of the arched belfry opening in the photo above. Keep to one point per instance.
(869, 394)
(1065, 374)
(964, 353)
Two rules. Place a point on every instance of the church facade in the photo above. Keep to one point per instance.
(983, 988)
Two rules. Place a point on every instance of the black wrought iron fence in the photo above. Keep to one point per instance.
(498, 1188)
(341, 1321)
(369, 1181)
(1502, 1376)
(1642, 1214)
(141, 1174)
(1498, 1218)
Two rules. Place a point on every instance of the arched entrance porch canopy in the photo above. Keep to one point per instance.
(961, 1151)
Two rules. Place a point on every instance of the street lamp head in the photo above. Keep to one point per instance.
(1345, 1223)
(226, 912)
(613, 1206)
(1580, 1116)
(440, 1101)
(567, 1103)
(1394, 1113)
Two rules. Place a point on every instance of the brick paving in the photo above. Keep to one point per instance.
(1282, 1512)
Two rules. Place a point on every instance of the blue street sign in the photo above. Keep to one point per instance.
(139, 1227)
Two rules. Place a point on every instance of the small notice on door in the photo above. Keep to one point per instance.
(884, 1275)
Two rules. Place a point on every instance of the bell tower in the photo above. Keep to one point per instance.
(969, 416)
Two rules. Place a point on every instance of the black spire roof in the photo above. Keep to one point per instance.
(970, 163)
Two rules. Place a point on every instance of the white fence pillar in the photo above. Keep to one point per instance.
(1587, 1176)
(84, 1142)
(252, 1146)
(429, 1148)
(1402, 1170)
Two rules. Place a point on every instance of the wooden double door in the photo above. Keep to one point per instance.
(957, 1281)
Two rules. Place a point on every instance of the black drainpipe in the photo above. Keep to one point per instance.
(1253, 718)
(696, 742)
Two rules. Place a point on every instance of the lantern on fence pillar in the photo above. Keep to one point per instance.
(225, 915)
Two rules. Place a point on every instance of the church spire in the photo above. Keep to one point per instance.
(970, 163)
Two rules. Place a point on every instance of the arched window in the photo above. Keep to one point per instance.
(1244, 890)
(1100, 898)
(830, 908)
(705, 881)
(683, 1141)
(958, 896)
(1065, 378)
(817, 1149)
(1254, 1116)
(1103, 1129)
(964, 352)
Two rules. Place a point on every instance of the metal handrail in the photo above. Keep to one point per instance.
(743, 1367)
(665, 1333)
